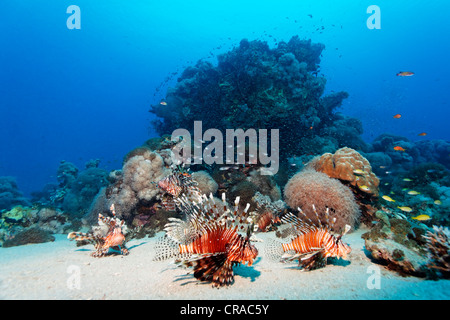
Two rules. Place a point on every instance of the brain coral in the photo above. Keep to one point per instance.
(309, 187)
(350, 167)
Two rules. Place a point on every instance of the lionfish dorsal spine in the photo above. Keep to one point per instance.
(310, 222)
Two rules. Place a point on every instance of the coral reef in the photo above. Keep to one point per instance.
(67, 173)
(409, 248)
(19, 219)
(205, 182)
(29, 235)
(350, 167)
(355, 171)
(435, 151)
(310, 188)
(137, 183)
(82, 189)
(254, 86)
(10, 195)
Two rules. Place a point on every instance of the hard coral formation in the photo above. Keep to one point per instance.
(309, 187)
(10, 195)
(19, 219)
(350, 167)
(399, 247)
(27, 236)
(355, 171)
(417, 152)
(254, 86)
(81, 191)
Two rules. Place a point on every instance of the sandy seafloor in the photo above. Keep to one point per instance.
(61, 270)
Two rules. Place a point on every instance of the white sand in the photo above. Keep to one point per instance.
(48, 271)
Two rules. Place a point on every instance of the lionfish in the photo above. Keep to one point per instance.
(179, 183)
(311, 244)
(209, 240)
(114, 237)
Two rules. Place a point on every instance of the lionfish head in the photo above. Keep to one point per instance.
(248, 251)
(170, 186)
(341, 249)
(115, 238)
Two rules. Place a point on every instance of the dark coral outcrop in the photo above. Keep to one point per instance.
(254, 86)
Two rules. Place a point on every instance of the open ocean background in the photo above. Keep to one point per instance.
(77, 95)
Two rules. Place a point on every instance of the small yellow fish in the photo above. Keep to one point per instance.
(413, 193)
(407, 179)
(364, 188)
(422, 217)
(438, 202)
(405, 209)
(359, 172)
(387, 198)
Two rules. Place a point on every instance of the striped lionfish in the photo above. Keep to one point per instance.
(179, 183)
(311, 244)
(114, 237)
(209, 240)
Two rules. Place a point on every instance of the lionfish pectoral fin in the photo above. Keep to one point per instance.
(166, 248)
(80, 236)
(274, 250)
(309, 255)
(313, 261)
(212, 267)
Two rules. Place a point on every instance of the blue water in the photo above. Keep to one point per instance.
(83, 94)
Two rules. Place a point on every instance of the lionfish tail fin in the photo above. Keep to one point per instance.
(166, 248)
(273, 249)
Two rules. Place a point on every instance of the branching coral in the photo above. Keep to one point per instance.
(309, 187)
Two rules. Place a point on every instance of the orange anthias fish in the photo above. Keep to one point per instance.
(405, 74)
(423, 134)
(398, 148)
(397, 116)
